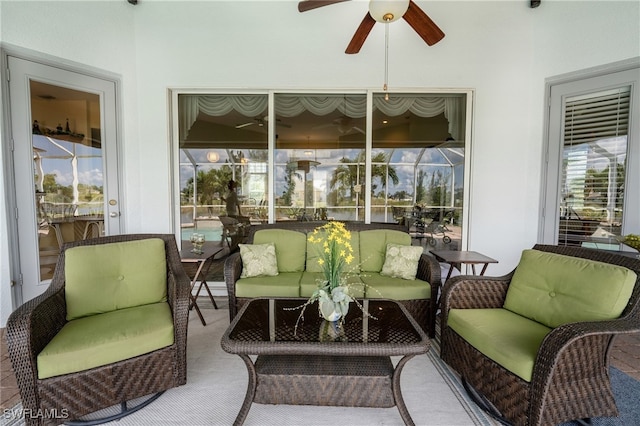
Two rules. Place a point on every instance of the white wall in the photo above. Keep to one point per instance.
(503, 50)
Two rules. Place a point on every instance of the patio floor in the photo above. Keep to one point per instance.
(625, 354)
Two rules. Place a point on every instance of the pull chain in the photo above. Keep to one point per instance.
(386, 61)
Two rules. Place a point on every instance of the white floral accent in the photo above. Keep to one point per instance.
(258, 260)
(401, 261)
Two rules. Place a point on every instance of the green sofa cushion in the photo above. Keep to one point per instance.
(383, 287)
(103, 339)
(310, 280)
(314, 252)
(290, 245)
(553, 289)
(373, 246)
(505, 337)
(106, 277)
(285, 284)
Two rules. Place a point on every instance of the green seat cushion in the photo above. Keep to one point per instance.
(554, 289)
(314, 251)
(106, 277)
(310, 281)
(383, 287)
(103, 339)
(285, 284)
(373, 247)
(507, 338)
(290, 245)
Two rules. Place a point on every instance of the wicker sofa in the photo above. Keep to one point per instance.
(90, 343)
(419, 296)
(535, 343)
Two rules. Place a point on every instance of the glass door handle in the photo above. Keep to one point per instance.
(114, 214)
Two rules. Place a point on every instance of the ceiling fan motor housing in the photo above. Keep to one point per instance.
(386, 11)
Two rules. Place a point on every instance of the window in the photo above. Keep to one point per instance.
(222, 138)
(319, 170)
(591, 183)
(314, 156)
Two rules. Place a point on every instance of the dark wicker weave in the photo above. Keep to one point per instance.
(294, 365)
(423, 310)
(571, 373)
(33, 325)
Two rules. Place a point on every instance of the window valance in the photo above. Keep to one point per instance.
(351, 106)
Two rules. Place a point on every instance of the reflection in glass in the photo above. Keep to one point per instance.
(68, 169)
(319, 164)
(418, 165)
(417, 160)
(222, 138)
(594, 169)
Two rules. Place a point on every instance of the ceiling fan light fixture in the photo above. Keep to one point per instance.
(386, 11)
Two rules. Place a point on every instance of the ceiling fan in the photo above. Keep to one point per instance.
(261, 121)
(343, 124)
(385, 12)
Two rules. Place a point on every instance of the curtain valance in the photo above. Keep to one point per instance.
(354, 106)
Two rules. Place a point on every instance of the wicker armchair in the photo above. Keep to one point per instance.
(570, 377)
(70, 396)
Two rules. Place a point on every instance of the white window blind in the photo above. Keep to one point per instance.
(597, 116)
(595, 134)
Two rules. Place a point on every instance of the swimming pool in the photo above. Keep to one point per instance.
(210, 231)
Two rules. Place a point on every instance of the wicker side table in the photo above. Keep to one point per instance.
(197, 265)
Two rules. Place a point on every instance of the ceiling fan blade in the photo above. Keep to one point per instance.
(305, 5)
(422, 24)
(361, 34)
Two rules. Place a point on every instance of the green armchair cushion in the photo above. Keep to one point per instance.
(507, 338)
(553, 289)
(373, 247)
(314, 251)
(310, 280)
(383, 287)
(103, 339)
(290, 245)
(107, 277)
(258, 260)
(285, 284)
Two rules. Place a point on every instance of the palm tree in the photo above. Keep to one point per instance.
(352, 172)
(209, 184)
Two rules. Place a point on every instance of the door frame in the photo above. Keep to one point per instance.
(591, 79)
(11, 295)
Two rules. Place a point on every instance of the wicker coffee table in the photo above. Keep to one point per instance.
(295, 367)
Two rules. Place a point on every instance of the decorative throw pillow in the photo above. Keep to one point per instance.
(401, 261)
(258, 260)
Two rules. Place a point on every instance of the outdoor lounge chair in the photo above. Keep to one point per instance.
(535, 343)
(111, 327)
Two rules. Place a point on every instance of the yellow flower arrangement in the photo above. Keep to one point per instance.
(334, 242)
(336, 251)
